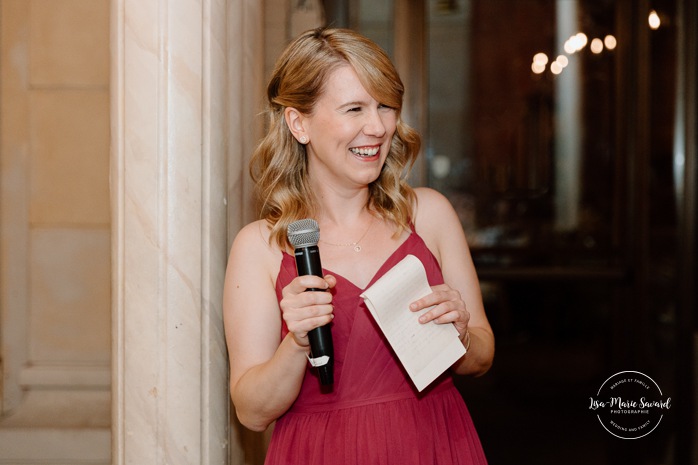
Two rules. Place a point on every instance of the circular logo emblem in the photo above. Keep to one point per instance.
(630, 405)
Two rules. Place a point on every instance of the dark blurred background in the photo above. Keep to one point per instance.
(564, 132)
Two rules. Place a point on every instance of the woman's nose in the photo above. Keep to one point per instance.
(375, 126)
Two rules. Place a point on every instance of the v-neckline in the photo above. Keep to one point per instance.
(376, 275)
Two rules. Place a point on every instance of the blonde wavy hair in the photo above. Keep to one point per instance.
(279, 164)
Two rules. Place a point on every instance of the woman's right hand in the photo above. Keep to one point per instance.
(304, 311)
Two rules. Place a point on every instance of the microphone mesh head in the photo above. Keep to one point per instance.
(303, 233)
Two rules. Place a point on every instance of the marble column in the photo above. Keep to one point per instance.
(171, 84)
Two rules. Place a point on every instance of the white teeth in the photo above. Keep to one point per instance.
(365, 152)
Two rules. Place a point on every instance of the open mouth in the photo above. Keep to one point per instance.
(365, 152)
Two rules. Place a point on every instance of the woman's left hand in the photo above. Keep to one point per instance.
(448, 307)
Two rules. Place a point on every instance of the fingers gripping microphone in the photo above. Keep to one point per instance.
(304, 236)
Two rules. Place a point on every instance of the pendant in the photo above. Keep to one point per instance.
(357, 248)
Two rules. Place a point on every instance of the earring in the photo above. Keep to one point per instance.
(304, 140)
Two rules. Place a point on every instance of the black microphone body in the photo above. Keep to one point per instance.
(304, 236)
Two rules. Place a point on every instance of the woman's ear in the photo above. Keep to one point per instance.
(294, 121)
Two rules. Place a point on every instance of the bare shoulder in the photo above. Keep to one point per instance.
(436, 221)
(432, 211)
(431, 202)
(252, 251)
(253, 234)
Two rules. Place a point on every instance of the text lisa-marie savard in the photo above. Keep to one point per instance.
(620, 404)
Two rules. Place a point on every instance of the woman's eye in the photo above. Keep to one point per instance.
(355, 109)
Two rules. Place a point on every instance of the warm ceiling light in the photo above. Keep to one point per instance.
(537, 68)
(654, 20)
(610, 42)
(540, 58)
(581, 40)
(596, 46)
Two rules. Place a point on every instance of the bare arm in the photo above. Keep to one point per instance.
(266, 372)
(459, 300)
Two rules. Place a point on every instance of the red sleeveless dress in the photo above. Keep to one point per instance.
(372, 415)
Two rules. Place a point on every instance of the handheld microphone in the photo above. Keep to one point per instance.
(304, 236)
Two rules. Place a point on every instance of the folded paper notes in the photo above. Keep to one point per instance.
(425, 350)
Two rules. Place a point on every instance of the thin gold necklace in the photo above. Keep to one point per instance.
(356, 244)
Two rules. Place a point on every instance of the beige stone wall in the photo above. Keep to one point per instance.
(54, 230)
(74, 389)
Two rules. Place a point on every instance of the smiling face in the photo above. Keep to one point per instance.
(350, 133)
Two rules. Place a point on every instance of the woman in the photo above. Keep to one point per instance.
(337, 151)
